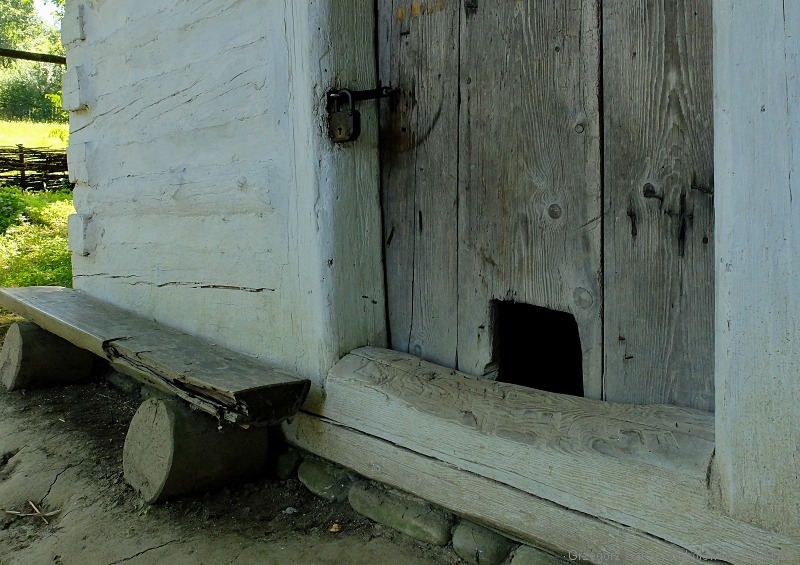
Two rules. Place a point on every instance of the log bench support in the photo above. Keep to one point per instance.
(172, 451)
(216, 436)
(35, 358)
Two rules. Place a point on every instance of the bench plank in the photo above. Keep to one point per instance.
(217, 380)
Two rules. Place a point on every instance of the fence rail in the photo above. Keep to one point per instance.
(33, 168)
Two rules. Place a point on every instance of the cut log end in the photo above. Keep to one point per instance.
(35, 358)
(149, 447)
(171, 451)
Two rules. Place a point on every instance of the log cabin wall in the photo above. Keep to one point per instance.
(557, 156)
(208, 195)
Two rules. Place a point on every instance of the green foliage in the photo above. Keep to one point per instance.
(19, 24)
(29, 90)
(33, 251)
(12, 206)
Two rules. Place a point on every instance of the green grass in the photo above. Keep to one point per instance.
(33, 249)
(6, 319)
(30, 134)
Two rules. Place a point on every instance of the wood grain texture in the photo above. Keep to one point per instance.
(659, 273)
(520, 515)
(641, 466)
(418, 45)
(350, 203)
(529, 173)
(757, 125)
(245, 389)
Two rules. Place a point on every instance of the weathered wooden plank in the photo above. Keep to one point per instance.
(243, 388)
(757, 125)
(640, 466)
(419, 140)
(659, 275)
(530, 194)
(520, 515)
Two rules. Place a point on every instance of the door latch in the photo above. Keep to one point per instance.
(345, 125)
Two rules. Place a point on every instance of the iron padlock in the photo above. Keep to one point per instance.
(344, 125)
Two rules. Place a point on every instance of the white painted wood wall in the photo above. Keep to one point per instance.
(757, 200)
(208, 195)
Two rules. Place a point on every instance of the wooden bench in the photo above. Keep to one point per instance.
(214, 379)
(170, 450)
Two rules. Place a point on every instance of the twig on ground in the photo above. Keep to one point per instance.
(36, 512)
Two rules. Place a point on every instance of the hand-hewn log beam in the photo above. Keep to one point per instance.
(636, 466)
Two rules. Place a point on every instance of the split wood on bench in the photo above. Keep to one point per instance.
(219, 381)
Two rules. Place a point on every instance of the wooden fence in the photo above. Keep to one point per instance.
(33, 168)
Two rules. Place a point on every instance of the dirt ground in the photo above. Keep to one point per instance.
(61, 450)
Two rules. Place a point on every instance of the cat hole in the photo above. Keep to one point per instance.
(537, 348)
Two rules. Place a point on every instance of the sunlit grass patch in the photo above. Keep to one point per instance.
(30, 134)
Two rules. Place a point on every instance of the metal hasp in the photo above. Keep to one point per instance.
(345, 125)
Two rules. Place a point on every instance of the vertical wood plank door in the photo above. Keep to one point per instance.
(659, 259)
(529, 172)
(490, 173)
(523, 163)
(418, 51)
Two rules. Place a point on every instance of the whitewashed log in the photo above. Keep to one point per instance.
(35, 358)
(757, 168)
(171, 451)
(218, 204)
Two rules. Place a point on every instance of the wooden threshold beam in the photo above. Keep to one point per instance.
(641, 467)
(222, 382)
(519, 515)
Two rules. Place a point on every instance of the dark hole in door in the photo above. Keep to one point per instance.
(537, 348)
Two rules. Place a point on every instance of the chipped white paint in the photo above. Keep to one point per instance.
(757, 137)
(209, 196)
(76, 161)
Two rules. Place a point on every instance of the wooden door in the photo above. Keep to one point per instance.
(493, 182)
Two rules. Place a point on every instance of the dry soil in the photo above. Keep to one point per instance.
(61, 451)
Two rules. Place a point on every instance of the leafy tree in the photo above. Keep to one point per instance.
(19, 23)
(29, 90)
